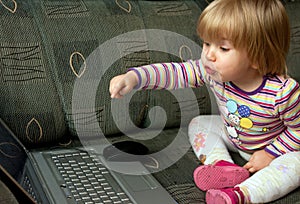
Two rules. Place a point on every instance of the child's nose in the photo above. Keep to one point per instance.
(210, 54)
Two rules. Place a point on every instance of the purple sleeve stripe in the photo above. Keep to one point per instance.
(167, 73)
(294, 126)
(175, 71)
(139, 78)
(285, 144)
(147, 78)
(184, 75)
(158, 80)
(287, 96)
(291, 107)
(291, 137)
(271, 152)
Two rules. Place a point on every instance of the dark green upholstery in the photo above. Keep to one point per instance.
(43, 45)
(38, 40)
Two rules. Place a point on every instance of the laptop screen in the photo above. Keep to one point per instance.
(13, 157)
(12, 153)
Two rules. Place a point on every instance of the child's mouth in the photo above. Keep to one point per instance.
(209, 70)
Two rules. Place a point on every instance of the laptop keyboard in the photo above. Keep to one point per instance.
(87, 180)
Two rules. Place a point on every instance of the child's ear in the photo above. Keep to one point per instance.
(255, 65)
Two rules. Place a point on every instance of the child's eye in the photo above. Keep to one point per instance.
(224, 49)
(206, 44)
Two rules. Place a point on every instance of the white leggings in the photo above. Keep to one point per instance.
(208, 139)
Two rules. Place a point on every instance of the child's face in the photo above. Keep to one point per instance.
(225, 63)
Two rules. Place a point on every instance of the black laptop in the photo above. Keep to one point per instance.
(74, 175)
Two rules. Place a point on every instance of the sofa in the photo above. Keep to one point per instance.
(57, 56)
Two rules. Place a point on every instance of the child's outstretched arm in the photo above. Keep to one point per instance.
(122, 84)
(158, 76)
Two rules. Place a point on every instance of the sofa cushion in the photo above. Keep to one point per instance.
(29, 101)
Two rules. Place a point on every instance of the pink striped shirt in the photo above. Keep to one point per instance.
(267, 118)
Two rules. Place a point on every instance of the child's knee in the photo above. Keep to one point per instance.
(202, 121)
(289, 160)
(196, 126)
(291, 157)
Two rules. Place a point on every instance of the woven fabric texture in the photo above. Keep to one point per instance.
(47, 47)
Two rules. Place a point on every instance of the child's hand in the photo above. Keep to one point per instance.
(259, 160)
(122, 84)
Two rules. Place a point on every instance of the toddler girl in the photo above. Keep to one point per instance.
(243, 61)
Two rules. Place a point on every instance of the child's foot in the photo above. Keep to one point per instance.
(222, 174)
(225, 196)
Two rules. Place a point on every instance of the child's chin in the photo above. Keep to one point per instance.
(216, 78)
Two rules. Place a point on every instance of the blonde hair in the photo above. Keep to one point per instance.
(259, 26)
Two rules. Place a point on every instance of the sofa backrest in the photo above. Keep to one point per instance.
(44, 49)
(47, 48)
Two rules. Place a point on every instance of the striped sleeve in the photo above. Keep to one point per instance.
(287, 105)
(169, 75)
